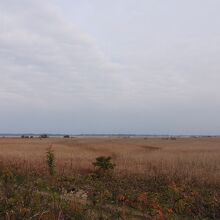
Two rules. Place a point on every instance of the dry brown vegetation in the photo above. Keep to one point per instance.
(154, 178)
(187, 158)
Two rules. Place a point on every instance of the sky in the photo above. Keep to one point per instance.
(110, 66)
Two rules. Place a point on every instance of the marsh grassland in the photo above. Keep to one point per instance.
(153, 178)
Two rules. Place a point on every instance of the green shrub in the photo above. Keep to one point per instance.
(103, 163)
(50, 159)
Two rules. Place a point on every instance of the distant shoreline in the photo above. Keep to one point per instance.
(104, 135)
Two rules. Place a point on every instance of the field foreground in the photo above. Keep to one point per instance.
(154, 178)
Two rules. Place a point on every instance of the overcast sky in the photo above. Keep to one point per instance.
(110, 66)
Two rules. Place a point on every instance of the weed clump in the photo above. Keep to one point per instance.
(50, 160)
(103, 164)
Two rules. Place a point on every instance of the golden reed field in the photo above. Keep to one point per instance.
(186, 158)
(148, 178)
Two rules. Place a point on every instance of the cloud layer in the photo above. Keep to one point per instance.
(45, 59)
(153, 76)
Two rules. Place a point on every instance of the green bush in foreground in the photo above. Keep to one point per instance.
(103, 164)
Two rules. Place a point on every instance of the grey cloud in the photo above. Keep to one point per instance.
(107, 66)
(44, 58)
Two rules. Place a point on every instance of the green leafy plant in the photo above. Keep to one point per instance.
(103, 163)
(50, 159)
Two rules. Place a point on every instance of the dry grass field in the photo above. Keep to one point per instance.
(161, 168)
(186, 157)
